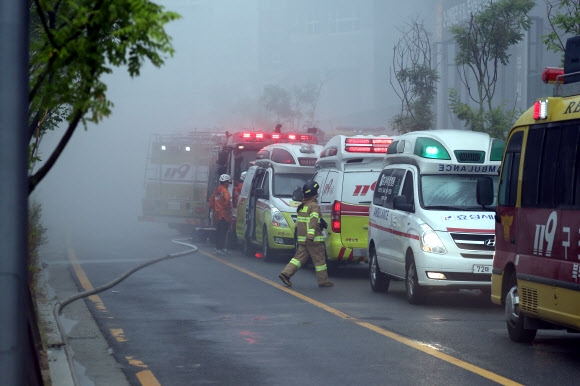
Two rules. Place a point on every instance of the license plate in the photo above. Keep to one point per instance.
(174, 205)
(482, 269)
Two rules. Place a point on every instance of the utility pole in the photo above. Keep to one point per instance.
(18, 357)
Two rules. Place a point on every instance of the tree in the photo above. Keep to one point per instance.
(482, 49)
(294, 107)
(564, 20)
(73, 43)
(414, 78)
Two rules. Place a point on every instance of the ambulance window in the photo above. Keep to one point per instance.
(282, 156)
(508, 187)
(408, 190)
(397, 179)
(265, 184)
(380, 194)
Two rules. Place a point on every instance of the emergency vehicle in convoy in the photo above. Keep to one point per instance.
(176, 179)
(239, 152)
(347, 171)
(425, 224)
(536, 265)
(266, 213)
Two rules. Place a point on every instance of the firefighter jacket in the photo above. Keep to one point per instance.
(307, 221)
(221, 204)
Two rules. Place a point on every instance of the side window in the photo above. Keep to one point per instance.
(568, 166)
(532, 161)
(380, 194)
(328, 181)
(508, 185)
(394, 185)
(408, 190)
(266, 182)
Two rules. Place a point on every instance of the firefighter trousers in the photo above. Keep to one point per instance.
(314, 251)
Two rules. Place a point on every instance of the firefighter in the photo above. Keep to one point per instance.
(309, 227)
(238, 188)
(220, 205)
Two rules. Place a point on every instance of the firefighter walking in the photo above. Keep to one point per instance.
(309, 227)
(220, 204)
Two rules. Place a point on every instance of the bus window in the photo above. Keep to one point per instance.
(508, 186)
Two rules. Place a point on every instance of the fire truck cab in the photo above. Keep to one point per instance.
(266, 213)
(347, 171)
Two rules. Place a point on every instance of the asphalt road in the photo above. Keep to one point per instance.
(207, 319)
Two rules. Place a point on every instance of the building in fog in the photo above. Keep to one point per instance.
(519, 83)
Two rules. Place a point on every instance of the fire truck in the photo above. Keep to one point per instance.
(239, 152)
(176, 179)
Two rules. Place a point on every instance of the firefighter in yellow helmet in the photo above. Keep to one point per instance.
(309, 227)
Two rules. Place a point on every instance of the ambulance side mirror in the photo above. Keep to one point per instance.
(484, 191)
(261, 193)
(400, 203)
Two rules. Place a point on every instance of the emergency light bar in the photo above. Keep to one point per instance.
(553, 75)
(367, 145)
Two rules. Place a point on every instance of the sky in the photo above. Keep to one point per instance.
(99, 178)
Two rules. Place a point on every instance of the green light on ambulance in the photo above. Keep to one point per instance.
(430, 148)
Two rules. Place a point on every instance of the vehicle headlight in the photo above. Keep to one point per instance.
(278, 219)
(430, 242)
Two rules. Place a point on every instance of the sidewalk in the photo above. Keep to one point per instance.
(82, 356)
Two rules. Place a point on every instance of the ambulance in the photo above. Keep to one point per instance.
(425, 224)
(347, 171)
(266, 212)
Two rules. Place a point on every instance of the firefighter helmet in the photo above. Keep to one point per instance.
(243, 176)
(310, 189)
(224, 178)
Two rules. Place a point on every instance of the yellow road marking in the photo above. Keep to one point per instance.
(146, 377)
(401, 339)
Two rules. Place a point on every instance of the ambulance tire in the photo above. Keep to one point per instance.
(267, 252)
(415, 294)
(379, 281)
(247, 246)
(331, 266)
(514, 319)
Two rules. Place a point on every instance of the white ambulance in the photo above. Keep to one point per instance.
(266, 212)
(425, 224)
(347, 171)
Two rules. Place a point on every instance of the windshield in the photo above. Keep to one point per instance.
(453, 192)
(284, 184)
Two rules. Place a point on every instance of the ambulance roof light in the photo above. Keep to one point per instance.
(430, 148)
(367, 144)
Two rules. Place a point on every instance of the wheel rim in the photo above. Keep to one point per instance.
(373, 267)
(512, 306)
(411, 279)
(265, 249)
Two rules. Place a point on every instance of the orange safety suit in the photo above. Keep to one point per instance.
(310, 241)
(237, 191)
(221, 204)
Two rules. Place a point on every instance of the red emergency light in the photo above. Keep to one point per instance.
(541, 109)
(367, 145)
(553, 75)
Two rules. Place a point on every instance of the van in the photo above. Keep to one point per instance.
(266, 212)
(425, 224)
(347, 171)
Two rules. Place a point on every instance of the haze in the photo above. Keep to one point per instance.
(212, 82)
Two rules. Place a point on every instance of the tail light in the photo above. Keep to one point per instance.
(335, 217)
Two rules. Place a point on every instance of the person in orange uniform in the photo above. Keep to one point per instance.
(220, 205)
(309, 227)
(238, 188)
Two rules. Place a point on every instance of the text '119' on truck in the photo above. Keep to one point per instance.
(536, 264)
(176, 179)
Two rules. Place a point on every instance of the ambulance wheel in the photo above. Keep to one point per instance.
(266, 250)
(414, 292)
(379, 281)
(514, 319)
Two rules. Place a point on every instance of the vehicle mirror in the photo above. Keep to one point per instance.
(400, 203)
(484, 191)
(261, 193)
(297, 194)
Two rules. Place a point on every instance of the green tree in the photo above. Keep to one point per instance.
(414, 78)
(73, 43)
(482, 50)
(564, 19)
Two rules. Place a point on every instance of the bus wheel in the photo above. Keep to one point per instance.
(514, 319)
(379, 281)
(413, 290)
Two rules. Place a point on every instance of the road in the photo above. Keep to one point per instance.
(208, 319)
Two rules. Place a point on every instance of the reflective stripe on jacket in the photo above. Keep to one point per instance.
(307, 222)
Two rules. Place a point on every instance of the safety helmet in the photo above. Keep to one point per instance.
(224, 178)
(243, 176)
(310, 189)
